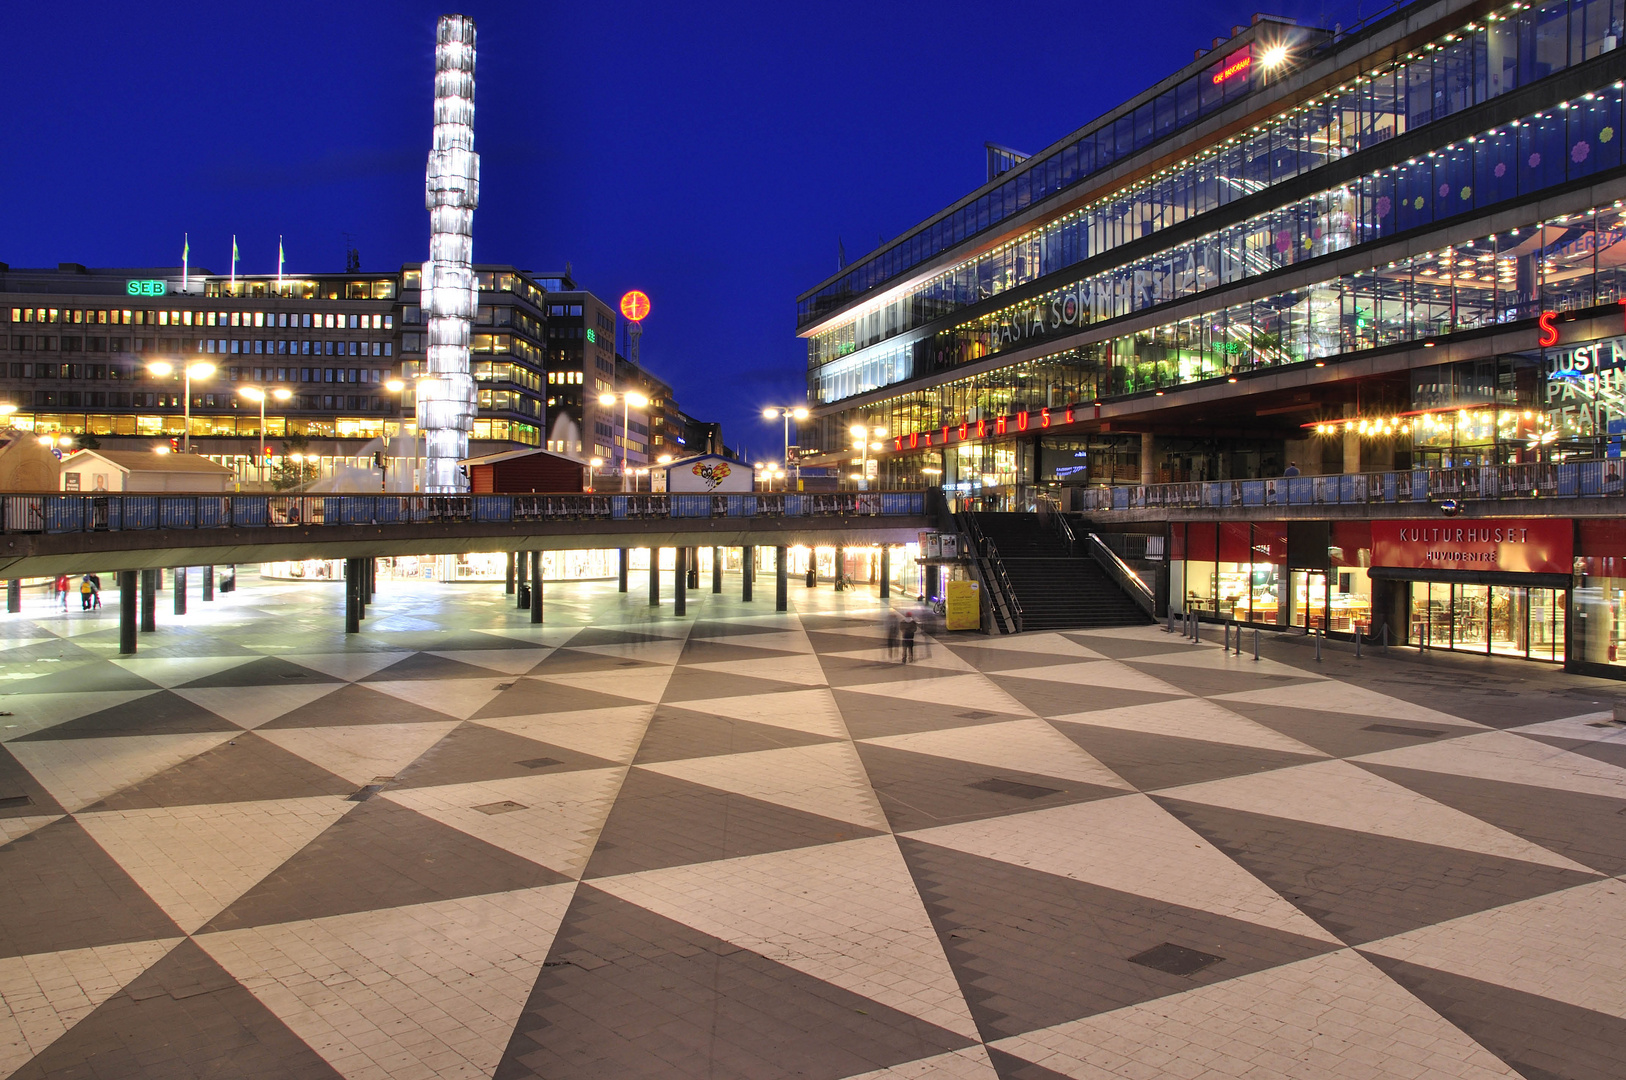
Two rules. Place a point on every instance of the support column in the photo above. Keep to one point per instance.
(654, 577)
(520, 573)
(127, 612)
(179, 578)
(536, 587)
(352, 596)
(931, 582)
(14, 596)
(621, 573)
(508, 580)
(692, 560)
(748, 560)
(841, 565)
(680, 581)
(1352, 442)
(149, 601)
(716, 570)
(1148, 453)
(209, 582)
(781, 590)
(886, 571)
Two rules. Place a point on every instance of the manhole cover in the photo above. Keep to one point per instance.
(507, 806)
(11, 801)
(974, 714)
(1396, 729)
(538, 762)
(603, 845)
(1011, 787)
(295, 675)
(1174, 959)
(505, 686)
(366, 793)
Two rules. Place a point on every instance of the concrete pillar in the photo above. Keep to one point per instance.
(209, 582)
(621, 572)
(781, 590)
(692, 560)
(1352, 442)
(149, 601)
(680, 581)
(748, 560)
(508, 579)
(654, 577)
(536, 587)
(1148, 458)
(14, 596)
(127, 612)
(179, 578)
(519, 575)
(886, 571)
(716, 570)
(352, 596)
(841, 564)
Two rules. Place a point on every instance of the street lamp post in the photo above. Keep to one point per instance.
(629, 400)
(260, 393)
(200, 369)
(861, 442)
(789, 413)
(395, 386)
(592, 463)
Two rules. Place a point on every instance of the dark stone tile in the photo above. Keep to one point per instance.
(1609, 751)
(1151, 761)
(59, 890)
(1591, 829)
(1032, 949)
(988, 660)
(244, 769)
(603, 636)
(267, 671)
(663, 821)
(1124, 647)
(824, 644)
(719, 628)
(1360, 886)
(1061, 699)
(918, 791)
(675, 733)
(441, 640)
(380, 855)
(529, 696)
(849, 671)
(1011, 1067)
(1543, 1039)
(1344, 734)
(870, 716)
(98, 676)
(627, 993)
(185, 1018)
(357, 704)
(1205, 682)
(474, 752)
(20, 794)
(575, 661)
(426, 666)
(697, 651)
(689, 684)
(163, 713)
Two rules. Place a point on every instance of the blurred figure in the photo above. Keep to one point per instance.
(61, 588)
(95, 590)
(908, 627)
(891, 635)
(86, 591)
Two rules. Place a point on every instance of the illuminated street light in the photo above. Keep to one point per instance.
(862, 436)
(256, 393)
(788, 413)
(198, 369)
(592, 463)
(630, 400)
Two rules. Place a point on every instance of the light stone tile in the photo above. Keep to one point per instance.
(846, 913)
(360, 753)
(639, 684)
(802, 668)
(827, 779)
(36, 712)
(557, 829)
(937, 659)
(813, 711)
(172, 671)
(1345, 699)
(1193, 718)
(1225, 661)
(1050, 644)
(613, 734)
(461, 698)
(193, 861)
(1332, 1017)
(43, 995)
(1023, 745)
(506, 661)
(1344, 796)
(1590, 727)
(1092, 673)
(250, 706)
(351, 985)
(788, 640)
(1567, 945)
(969, 1064)
(1134, 846)
(665, 651)
(348, 666)
(12, 828)
(78, 772)
(973, 691)
(1499, 755)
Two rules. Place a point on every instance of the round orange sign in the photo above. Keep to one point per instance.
(635, 305)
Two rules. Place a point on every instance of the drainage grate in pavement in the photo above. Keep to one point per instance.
(1174, 959)
(295, 675)
(974, 714)
(366, 793)
(9, 801)
(538, 762)
(1396, 729)
(504, 686)
(1011, 787)
(507, 806)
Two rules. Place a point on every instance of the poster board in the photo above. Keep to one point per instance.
(962, 605)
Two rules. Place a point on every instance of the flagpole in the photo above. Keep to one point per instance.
(234, 263)
(186, 252)
(279, 264)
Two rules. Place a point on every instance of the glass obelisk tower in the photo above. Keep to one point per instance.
(445, 394)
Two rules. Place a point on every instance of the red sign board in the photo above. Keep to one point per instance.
(1515, 545)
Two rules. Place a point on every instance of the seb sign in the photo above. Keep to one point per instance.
(1514, 545)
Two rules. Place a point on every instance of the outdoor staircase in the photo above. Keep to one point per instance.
(1054, 588)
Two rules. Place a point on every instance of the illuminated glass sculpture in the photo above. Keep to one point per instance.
(445, 394)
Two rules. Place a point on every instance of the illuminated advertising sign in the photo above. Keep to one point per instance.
(1236, 64)
(1515, 545)
(148, 287)
(635, 305)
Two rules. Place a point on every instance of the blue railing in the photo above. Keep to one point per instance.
(1574, 480)
(70, 513)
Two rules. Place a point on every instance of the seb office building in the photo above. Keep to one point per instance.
(1393, 253)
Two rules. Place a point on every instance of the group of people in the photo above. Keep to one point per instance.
(90, 591)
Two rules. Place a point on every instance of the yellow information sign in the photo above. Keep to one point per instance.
(962, 606)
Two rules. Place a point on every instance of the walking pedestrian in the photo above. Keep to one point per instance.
(62, 591)
(86, 591)
(95, 590)
(908, 627)
(891, 635)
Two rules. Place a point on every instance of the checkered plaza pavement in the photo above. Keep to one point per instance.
(741, 844)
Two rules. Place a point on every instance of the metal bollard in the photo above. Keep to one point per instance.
(1357, 643)
(1225, 645)
(1384, 640)
(1318, 647)
(1255, 642)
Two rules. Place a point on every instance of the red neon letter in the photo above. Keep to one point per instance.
(965, 430)
(1069, 414)
(1044, 417)
(897, 442)
(982, 429)
(999, 425)
(1622, 303)
(1549, 332)
(1021, 421)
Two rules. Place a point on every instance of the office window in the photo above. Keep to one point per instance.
(352, 322)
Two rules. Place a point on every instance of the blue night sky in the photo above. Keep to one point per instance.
(710, 154)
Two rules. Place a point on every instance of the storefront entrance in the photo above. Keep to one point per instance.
(1498, 620)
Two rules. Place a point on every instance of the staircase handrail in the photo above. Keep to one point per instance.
(1122, 573)
(1065, 531)
(1006, 606)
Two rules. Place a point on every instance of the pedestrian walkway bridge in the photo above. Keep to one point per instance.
(47, 534)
